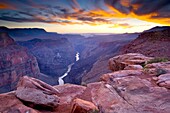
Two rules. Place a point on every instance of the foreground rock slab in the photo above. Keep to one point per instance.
(9, 103)
(37, 93)
(67, 93)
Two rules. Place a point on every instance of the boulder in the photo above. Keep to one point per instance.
(164, 80)
(67, 93)
(9, 103)
(37, 93)
(158, 68)
(121, 61)
(82, 106)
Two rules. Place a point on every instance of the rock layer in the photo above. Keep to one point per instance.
(15, 62)
(128, 61)
(154, 43)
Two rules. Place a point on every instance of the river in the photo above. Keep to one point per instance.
(60, 79)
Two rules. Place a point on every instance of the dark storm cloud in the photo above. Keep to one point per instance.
(150, 6)
(141, 7)
(83, 11)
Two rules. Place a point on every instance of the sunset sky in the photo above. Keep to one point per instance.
(85, 16)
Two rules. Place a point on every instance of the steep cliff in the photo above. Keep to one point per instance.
(153, 42)
(53, 56)
(15, 62)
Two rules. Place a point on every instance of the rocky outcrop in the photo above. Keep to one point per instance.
(130, 60)
(81, 106)
(154, 43)
(164, 80)
(11, 104)
(15, 62)
(122, 91)
(34, 92)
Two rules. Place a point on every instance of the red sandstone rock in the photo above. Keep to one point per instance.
(120, 62)
(67, 93)
(125, 91)
(82, 106)
(164, 80)
(119, 74)
(36, 92)
(161, 65)
(10, 104)
(153, 44)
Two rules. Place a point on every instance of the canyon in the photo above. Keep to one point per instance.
(55, 52)
(60, 79)
(123, 73)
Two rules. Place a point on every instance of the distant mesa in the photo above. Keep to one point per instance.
(158, 28)
(5, 29)
(24, 34)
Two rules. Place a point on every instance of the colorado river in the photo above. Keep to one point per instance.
(60, 79)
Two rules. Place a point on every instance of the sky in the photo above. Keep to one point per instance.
(85, 16)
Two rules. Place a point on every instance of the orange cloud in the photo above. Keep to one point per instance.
(142, 10)
(125, 3)
(6, 6)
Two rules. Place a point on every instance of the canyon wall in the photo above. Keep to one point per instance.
(15, 62)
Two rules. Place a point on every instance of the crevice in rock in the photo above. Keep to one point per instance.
(37, 106)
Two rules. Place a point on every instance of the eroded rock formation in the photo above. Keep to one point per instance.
(154, 43)
(34, 92)
(122, 91)
(15, 62)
